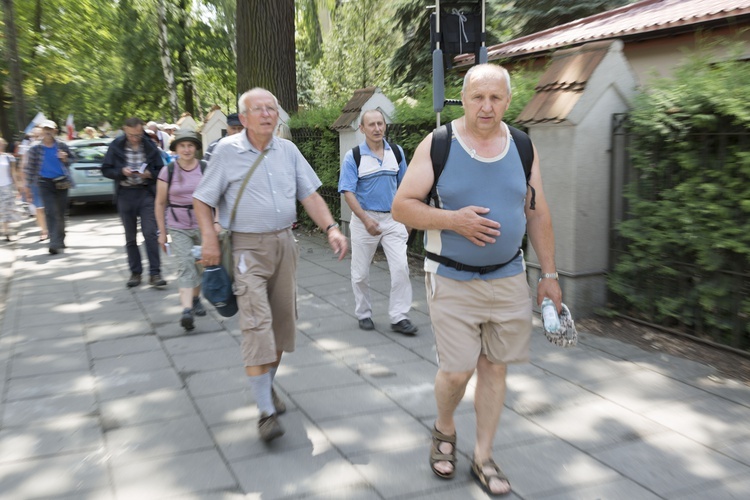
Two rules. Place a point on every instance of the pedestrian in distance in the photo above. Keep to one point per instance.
(164, 155)
(47, 166)
(134, 162)
(32, 195)
(481, 314)
(8, 181)
(161, 136)
(370, 176)
(264, 249)
(234, 126)
(174, 217)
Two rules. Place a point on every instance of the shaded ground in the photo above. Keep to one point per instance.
(729, 364)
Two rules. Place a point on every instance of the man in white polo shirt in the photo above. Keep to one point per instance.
(265, 252)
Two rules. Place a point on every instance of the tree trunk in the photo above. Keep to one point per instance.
(265, 49)
(186, 64)
(166, 60)
(16, 79)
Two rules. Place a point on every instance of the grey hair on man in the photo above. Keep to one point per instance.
(484, 69)
(242, 107)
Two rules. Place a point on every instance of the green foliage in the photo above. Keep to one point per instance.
(100, 60)
(688, 227)
(356, 52)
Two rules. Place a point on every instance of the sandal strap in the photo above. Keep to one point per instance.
(479, 470)
(444, 438)
(442, 457)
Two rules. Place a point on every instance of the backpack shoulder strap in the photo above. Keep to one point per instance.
(203, 164)
(396, 152)
(357, 155)
(526, 152)
(525, 149)
(170, 174)
(439, 150)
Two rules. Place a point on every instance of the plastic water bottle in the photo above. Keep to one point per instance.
(549, 316)
(197, 252)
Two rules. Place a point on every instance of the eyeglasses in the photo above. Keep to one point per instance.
(259, 110)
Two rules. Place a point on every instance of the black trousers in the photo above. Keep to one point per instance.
(132, 204)
(55, 205)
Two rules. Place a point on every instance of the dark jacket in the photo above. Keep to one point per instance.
(114, 162)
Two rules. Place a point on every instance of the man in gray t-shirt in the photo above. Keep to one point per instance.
(264, 249)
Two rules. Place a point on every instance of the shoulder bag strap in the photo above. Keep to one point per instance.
(242, 187)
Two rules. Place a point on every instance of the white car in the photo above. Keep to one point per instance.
(90, 185)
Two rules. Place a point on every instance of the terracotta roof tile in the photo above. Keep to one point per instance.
(353, 108)
(641, 18)
(561, 85)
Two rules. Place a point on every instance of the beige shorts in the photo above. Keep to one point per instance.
(266, 293)
(476, 317)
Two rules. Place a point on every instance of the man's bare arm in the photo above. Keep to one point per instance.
(316, 208)
(542, 237)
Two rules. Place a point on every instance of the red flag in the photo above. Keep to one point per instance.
(70, 126)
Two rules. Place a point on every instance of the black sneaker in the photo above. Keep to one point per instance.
(366, 324)
(187, 321)
(156, 280)
(269, 427)
(198, 308)
(404, 326)
(135, 280)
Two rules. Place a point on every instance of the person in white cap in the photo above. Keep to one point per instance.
(47, 166)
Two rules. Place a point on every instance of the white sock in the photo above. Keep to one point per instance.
(261, 386)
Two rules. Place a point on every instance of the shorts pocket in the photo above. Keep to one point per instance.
(248, 318)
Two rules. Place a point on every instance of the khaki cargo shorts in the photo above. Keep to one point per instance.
(265, 283)
(476, 317)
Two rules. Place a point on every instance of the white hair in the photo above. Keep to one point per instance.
(242, 107)
(485, 68)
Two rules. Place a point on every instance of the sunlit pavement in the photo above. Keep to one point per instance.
(105, 396)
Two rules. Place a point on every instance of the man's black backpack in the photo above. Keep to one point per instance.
(441, 146)
(170, 172)
(394, 147)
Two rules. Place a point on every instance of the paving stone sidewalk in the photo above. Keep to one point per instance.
(104, 396)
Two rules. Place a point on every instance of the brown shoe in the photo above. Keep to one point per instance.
(135, 280)
(269, 427)
(278, 403)
(156, 280)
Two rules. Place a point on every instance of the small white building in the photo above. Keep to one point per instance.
(186, 122)
(215, 127)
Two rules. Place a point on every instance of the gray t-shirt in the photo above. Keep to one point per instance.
(269, 200)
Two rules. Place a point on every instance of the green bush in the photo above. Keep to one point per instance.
(688, 227)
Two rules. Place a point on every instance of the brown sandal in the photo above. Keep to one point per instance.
(477, 471)
(437, 456)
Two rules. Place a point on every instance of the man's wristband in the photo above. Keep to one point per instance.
(331, 226)
(551, 276)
